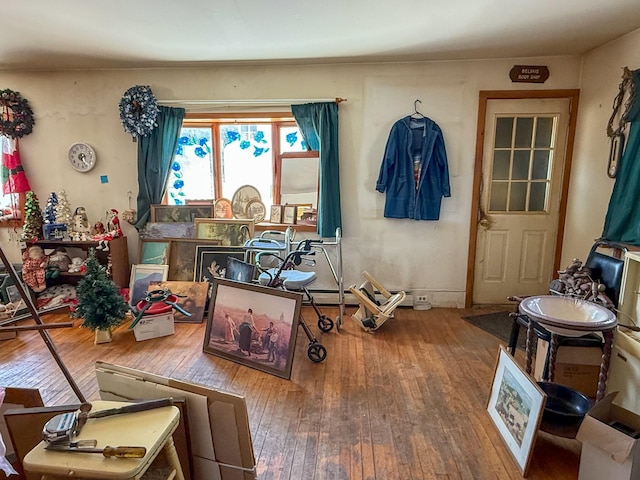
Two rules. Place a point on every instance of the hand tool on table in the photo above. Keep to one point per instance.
(62, 428)
(108, 452)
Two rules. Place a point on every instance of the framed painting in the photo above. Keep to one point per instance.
(168, 230)
(515, 406)
(211, 261)
(141, 278)
(154, 251)
(276, 214)
(182, 257)
(239, 270)
(192, 297)
(253, 325)
(180, 213)
(230, 232)
(222, 208)
(289, 213)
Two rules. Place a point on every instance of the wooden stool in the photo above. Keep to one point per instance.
(151, 429)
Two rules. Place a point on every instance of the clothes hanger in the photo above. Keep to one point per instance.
(416, 114)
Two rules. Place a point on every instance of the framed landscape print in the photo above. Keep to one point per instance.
(230, 232)
(289, 213)
(141, 278)
(182, 257)
(192, 297)
(515, 406)
(253, 325)
(168, 230)
(180, 213)
(154, 251)
(211, 261)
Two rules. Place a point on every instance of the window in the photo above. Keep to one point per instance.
(11, 209)
(216, 155)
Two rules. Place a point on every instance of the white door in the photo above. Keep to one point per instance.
(522, 168)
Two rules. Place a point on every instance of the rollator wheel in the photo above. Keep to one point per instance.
(325, 324)
(316, 352)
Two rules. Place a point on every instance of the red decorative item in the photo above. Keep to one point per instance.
(14, 179)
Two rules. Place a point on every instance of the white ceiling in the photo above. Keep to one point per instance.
(43, 34)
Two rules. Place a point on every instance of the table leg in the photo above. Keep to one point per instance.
(604, 365)
(553, 353)
(531, 334)
(172, 458)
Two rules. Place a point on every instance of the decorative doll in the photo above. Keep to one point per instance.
(34, 264)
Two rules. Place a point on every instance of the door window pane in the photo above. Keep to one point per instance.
(538, 196)
(518, 197)
(540, 169)
(504, 129)
(501, 163)
(520, 165)
(544, 131)
(498, 200)
(524, 132)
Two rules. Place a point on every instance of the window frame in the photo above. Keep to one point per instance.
(277, 120)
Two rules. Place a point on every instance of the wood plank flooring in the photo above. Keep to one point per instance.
(407, 402)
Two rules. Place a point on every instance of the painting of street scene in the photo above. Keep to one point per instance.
(253, 325)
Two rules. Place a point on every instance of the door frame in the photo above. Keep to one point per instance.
(573, 96)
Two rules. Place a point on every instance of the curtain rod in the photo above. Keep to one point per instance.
(276, 101)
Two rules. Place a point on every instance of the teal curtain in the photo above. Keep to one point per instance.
(318, 123)
(622, 223)
(155, 155)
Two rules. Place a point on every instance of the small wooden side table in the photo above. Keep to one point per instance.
(151, 429)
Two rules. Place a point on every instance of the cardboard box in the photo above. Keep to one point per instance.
(154, 326)
(576, 367)
(610, 449)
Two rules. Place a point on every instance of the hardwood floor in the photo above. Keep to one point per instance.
(407, 402)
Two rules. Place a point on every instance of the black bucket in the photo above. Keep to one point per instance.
(564, 410)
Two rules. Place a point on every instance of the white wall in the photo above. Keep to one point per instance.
(590, 187)
(75, 106)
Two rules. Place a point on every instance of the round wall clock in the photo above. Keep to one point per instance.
(82, 157)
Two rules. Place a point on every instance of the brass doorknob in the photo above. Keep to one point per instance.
(485, 223)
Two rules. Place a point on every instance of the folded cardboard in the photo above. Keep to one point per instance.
(575, 367)
(154, 326)
(610, 443)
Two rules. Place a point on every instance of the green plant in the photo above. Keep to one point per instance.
(100, 304)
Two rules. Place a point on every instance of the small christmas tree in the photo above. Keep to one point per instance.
(49, 214)
(32, 228)
(100, 304)
(63, 210)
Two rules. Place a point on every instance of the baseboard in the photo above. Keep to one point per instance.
(437, 299)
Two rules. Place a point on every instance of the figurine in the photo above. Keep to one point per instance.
(76, 265)
(113, 223)
(34, 264)
(81, 221)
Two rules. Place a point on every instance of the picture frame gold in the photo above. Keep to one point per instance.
(141, 278)
(232, 232)
(180, 213)
(182, 256)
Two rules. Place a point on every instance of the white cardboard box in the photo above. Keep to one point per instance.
(607, 452)
(153, 326)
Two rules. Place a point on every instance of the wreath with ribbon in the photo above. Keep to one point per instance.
(139, 111)
(17, 117)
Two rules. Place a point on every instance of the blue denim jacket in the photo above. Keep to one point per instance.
(419, 140)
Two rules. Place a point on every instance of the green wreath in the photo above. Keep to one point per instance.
(17, 117)
(139, 111)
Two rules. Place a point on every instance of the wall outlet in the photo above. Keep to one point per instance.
(421, 301)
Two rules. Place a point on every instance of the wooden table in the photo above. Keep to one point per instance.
(569, 317)
(151, 429)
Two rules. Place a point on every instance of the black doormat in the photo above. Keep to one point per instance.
(499, 325)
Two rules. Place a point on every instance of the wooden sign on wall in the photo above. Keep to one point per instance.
(529, 73)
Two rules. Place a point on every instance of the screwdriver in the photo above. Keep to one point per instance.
(115, 452)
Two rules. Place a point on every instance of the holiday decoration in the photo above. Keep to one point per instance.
(13, 177)
(49, 213)
(17, 116)
(139, 111)
(100, 304)
(34, 264)
(32, 228)
(63, 210)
